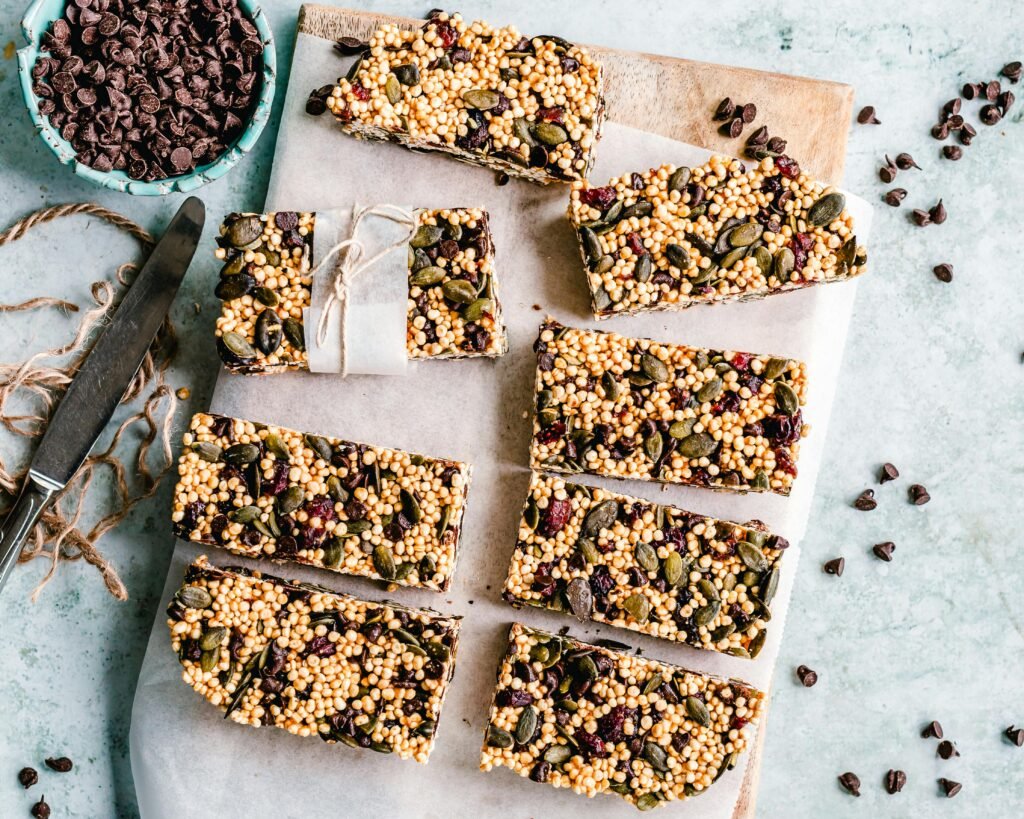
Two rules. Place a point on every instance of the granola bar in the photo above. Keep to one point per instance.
(598, 720)
(453, 308)
(268, 492)
(646, 567)
(530, 106)
(673, 237)
(635, 408)
(312, 661)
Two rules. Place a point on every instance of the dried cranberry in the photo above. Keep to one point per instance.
(251, 537)
(460, 55)
(287, 546)
(218, 525)
(545, 362)
(513, 698)
(193, 512)
(552, 433)
(784, 462)
(730, 402)
(278, 481)
(590, 744)
(477, 338)
(191, 651)
(783, 430)
(569, 65)
(741, 360)
(600, 198)
(445, 33)
(636, 577)
(447, 474)
(680, 740)
(787, 167)
(610, 726)
(355, 510)
(739, 723)
(321, 647)
(275, 661)
(801, 246)
(635, 243)
(541, 771)
(601, 582)
(555, 516)
(321, 507)
(312, 537)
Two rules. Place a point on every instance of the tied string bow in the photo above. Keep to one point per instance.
(351, 264)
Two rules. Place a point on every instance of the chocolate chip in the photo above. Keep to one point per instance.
(777, 145)
(501, 179)
(867, 116)
(887, 173)
(947, 749)
(835, 566)
(61, 764)
(990, 114)
(970, 91)
(951, 107)
(1012, 71)
(921, 218)
(953, 152)
(943, 272)
(949, 787)
(1014, 734)
(315, 105)
(726, 109)
(905, 162)
(887, 473)
(894, 197)
(894, 781)
(918, 495)
(40, 810)
(748, 113)
(992, 90)
(865, 501)
(850, 782)
(28, 776)
(733, 128)
(932, 730)
(759, 137)
(1005, 101)
(938, 213)
(181, 158)
(349, 45)
(808, 676)
(940, 130)
(883, 551)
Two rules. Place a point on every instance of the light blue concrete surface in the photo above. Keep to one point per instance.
(932, 381)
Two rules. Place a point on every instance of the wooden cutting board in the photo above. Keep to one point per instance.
(813, 115)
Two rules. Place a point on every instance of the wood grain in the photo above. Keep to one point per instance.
(813, 115)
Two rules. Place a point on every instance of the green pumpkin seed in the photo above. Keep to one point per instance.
(761, 482)
(246, 514)
(785, 398)
(588, 550)
(647, 557)
(745, 235)
(498, 737)
(752, 557)
(604, 264)
(268, 332)
(699, 445)
(702, 275)
(234, 266)
(234, 287)
(531, 515)
(241, 454)
(774, 368)
(207, 451)
(407, 74)
(320, 446)
(738, 651)
(586, 668)
(276, 446)
(483, 99)
(337, 492)
(602, 301)
(426, 236)
(706, 614)
(680, 179)
(427, 276)
(527, 725)
(769, 586)
(194, 597)
(711, 390)
(264, 295)
(290, 500)
(757, 644)
(826, 210)
(610, 387)
(557, 754)
(656, 755)
(212, 638)
(209, 660)
(784, 264)
(638, 607)
(764, 260)
(384, 562)
(591, 244)
(682, 429)
(698, 712)
(334, 551)
(393, 89)
(673, 568)
(602, 516)
(653, 684)
(459, 290)
(647, 801)
(580, 596)
(722, 632)
(521, 128)
(295, 333)
(476, 310)
(654, 368)
(708, 590)
(410, 506)
(643, 268)
(238, 346)
(730, 259)
(550, 133)
(654, 446)
(244, 231)
(677, 256)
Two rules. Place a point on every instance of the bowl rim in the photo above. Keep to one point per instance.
(36, 21)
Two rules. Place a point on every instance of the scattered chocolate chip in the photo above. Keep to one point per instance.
(905, 162)
(943, 272)
(992, 90)
(971, 90)
(28, 776)
(953, 152)
(932, 730)
(748, 113)
(1012, 71)
(835, 566)
(865, 501)
(887, 473)
(947, 749)
(808, 676)
(726, 109)
(348, 46)
(883, 551)
(501, 179)
(894, 781)
(949, 787)
(894, 197)
(940, 130)
(951, 107)
(733, 128)
(938, 213)
(1014, 734)
(887, 173)
(990, 114)
(921, 218)
(867, 116)
(1005, 101)
(40, 810)
(61, 764)
(759, 137)
(777, 145)
(918, 495)
(850, 782)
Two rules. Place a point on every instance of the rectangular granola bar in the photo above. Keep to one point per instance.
(643, 566)
(453, 308)
(269, 492)
(635, 408)
(598, 720)
(489, 96)
(673, 237)
(312, 661)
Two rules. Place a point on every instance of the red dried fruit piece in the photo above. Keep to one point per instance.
(600, 198)
(446, 33)
(556, 516)
(554, 114)
(787, 166)
(635, 243)
(359, 92)
(552, 433)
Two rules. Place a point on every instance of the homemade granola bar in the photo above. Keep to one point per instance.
(530, 106)
(647, 567)
(673, 237)
(265, 284)
(598, 720)
(269, 492)
(635, 408)
(312, 661)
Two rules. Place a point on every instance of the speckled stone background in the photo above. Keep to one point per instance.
(933, 381)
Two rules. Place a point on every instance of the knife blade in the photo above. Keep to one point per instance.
(100, 383)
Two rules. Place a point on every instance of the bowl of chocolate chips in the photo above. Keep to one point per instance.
(148, 97)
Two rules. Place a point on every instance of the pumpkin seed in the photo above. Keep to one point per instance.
(722, 632)
(653, 684)
(610, 386)
(784, 264)
(498, 737)
(602, 301)
(411, 506)
(426, 236)
(680, 179)
(549, 133)
(757, 644)
(268, 332)
(581, 598)
(207, 451)
(483, 99)
(245, 230)
(656, 755)
(290, 500)
(557, 754)
(769, 586)
(711, 390)
(384, 562)
(699, 445)
(246, 514)
(588, 550)
(212, 638)
(638, 607)
(786, 399)
(654, 368)
(591, 245)
(241, 454)
(673, 568)
(586, 668)
(427, 276)
(407, 74)
(826, 210)
(334, 550)
(320, 446)
(264, 295)
(209, 660)
(764, 260)
(459, 290)
(476, 310)
(698, 712)
(774, 368)
(677, 256)
(643, 268)
(295, 333)
(194, 597)
(531, 515)
(708, 590)
(527, 725)
(682, 429)
(738, 651)
(729, 260)
(602, 516)
(234, 266)
(647, 557)
(238, 346)
(604, 264)
(337, 492)
(761, 482)
(654, 446)
(393, 89)
(752, 557)
(706, 614)
(647, 801)
(521, 128)
(745, 235)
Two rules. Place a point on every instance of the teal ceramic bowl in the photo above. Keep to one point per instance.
(37, 21)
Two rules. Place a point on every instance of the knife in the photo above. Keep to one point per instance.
(101, 382)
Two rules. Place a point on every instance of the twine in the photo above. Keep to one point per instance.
(38, 383)
(350, 266)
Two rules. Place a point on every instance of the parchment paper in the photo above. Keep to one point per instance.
(188, 761)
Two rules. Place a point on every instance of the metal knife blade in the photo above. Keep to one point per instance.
(101, 382)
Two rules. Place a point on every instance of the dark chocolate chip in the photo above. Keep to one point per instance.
(808, 676)
(1013, 734)
(990, 114)
(943, 272)
(918, 495)
(867, 116)
(835, 566)
(61, 764)
(894, 197)
(726, 109)
(921, 218)
(940, 130)
(28, 776)
(865, 501)
(932, 730)
(748, 113)
(949, 787)
(887, 473)
(947, 750)
(894, 781)
(41, 810)
(883, 551)
(850, 782)
(905, 162)
(1012, 71)
(953, 152)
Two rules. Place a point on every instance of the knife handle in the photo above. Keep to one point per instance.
(18, 524)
